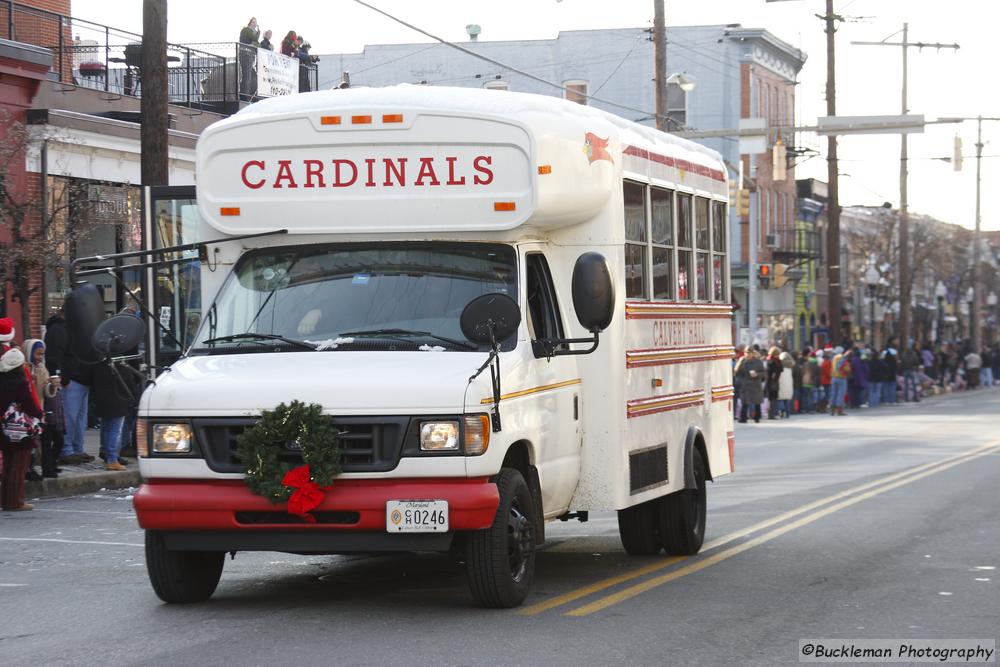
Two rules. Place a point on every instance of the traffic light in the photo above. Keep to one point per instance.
(956, 160)
(734, 189)
(778, 279)
(764, 275)
(743, 203)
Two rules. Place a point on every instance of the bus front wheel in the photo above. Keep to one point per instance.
(500, 560)
(181, 576)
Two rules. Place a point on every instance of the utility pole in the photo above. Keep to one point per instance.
(155, 168)
(905, 278)
(977, 339)
(835, 322)
(660, 64)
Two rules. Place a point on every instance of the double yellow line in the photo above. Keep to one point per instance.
(829, 505)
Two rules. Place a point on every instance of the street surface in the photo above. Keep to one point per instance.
(882, 524)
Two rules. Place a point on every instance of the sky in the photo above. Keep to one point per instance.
(942, 83)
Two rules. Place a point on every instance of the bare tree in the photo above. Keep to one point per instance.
(39, 222)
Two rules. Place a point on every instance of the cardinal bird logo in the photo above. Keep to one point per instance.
(596, 148)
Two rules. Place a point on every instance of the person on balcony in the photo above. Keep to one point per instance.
(290, 44)
(249, 41)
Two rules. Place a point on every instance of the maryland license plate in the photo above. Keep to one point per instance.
(416, 516)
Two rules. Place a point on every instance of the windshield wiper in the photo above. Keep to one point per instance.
(261, 336)
(407, 332)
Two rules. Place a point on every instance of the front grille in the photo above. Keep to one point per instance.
(371, 444)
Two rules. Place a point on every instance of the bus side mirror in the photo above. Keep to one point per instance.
(593, 292)
(594, 303)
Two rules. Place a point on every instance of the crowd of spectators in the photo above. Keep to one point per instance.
(780, 383)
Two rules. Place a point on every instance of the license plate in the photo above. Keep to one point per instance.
(416, 516)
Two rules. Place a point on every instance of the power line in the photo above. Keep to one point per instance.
(504, 65)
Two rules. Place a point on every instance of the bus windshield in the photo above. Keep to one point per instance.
(396, 295)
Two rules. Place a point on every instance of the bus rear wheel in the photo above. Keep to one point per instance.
(638, 527)
(500, 560)
(181, 576)
(682, 515)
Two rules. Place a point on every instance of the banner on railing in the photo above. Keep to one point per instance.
(276, 74)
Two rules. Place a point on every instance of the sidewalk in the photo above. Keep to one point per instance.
(86, 477)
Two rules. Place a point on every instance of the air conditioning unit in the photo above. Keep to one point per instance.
(771, 240)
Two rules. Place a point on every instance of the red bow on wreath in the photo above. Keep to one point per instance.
(308, 494)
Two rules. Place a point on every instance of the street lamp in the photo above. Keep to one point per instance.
(940, 292)
(871, 280)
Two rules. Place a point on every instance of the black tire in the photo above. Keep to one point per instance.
(639, 529)
(500, 560)
(181, 576)
(682, 515)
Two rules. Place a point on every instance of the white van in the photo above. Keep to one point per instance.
(593, 250)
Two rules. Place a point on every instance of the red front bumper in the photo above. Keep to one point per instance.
(197, 505)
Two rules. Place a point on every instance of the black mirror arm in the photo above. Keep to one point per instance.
(493, 361)
(546, 347)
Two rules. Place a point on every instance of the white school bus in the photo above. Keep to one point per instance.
(514, 309)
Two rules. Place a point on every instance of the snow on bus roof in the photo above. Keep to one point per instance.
(473, 100)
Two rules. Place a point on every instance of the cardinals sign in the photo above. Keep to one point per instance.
(596, 148)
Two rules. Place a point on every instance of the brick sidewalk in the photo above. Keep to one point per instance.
(86, 477)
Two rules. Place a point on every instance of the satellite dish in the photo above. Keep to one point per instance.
(490, 317)
(119, 335)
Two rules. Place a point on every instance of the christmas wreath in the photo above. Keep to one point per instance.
(295, 427)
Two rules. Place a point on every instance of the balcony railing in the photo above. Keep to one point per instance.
(216, 77)
(793, 244)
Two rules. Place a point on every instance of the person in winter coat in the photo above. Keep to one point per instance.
(796, 405)
(290, 45)
(15, 390)
(891, 357)
(112, 404)
(840, 371)
(774, 369)
(751, 372)
(857, 384)
(876, 379)
(825, 358)
(47, 390)
(266, 42)
(910, 363)
(250, 33)
(810, 381)
(786, 385)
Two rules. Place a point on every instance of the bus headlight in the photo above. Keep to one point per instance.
(171, 438)
(439, 436)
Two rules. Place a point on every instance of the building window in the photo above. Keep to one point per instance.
(635, 240)
(576, 91)
(676, 107)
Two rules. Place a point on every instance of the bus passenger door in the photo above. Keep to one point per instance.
(554, 416)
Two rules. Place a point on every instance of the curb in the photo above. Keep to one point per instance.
(77, 484)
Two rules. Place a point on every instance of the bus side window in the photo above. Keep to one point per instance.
(543, 308)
